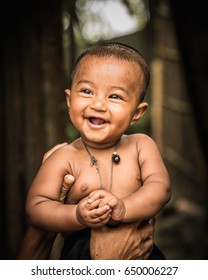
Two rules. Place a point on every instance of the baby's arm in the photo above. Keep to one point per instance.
(151, 197)
(43, 207)
(155, 191)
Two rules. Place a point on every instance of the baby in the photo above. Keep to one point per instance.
(119, 179)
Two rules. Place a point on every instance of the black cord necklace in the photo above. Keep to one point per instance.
(115, 158)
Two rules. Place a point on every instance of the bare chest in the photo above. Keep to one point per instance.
(121, 179)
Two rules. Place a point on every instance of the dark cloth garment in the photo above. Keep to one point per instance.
(77, 247)
(157, 254)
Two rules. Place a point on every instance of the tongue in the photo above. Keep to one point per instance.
(97, 121)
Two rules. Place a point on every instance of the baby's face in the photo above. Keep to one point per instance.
(104, 97)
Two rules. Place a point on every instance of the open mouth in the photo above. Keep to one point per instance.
(97, 121)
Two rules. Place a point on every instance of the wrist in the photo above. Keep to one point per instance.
(79, 220)
(123, 212)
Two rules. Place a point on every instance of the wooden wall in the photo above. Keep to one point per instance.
(175, 129)
(33, 107)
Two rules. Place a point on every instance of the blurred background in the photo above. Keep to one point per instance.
(40, 42)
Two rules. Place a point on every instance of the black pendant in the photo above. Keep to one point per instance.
(93, 160)
(115, 158)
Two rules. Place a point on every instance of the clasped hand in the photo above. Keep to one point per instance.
(100, 208)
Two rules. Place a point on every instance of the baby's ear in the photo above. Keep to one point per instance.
(68, 101)
(139, 112)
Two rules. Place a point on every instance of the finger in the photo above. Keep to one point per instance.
(100, 223)
(147, 247)
(68, 181)
(47, 154)
(152, 221)
(93, 205)
(100, 220)
(93, 218)
(101, 211)
(142, 251)
(146, 231)
(113, 202)
(95, 195)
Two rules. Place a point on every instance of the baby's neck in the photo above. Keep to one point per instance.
(101, 146)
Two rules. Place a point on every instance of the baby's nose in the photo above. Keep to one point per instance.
(98, 104)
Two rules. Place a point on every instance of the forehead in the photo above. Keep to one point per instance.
(108, 66)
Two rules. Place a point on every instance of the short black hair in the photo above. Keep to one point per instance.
(122, 52)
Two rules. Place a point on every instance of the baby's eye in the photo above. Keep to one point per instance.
(86, 91)
(115, 96)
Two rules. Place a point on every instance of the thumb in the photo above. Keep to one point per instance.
(68, 180)
(67, 183)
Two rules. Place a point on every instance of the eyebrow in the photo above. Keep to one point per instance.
(85, 81)
(120, 88)
(113, 87)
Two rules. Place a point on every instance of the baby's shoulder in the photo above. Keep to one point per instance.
(67, 151)
(139, 138)
(140, 141)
